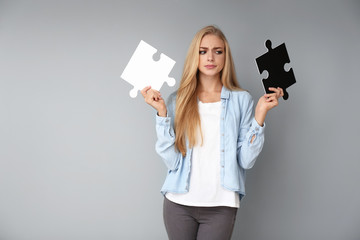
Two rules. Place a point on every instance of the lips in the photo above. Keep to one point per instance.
(210, 66)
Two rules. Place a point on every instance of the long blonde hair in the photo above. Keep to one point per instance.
(187, 118)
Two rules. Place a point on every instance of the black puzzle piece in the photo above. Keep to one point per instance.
(273, 61)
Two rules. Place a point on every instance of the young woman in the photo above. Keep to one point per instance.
(207, 137)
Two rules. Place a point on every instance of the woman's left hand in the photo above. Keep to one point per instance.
(267, 102)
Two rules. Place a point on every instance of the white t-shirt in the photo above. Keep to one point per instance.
(205, 189)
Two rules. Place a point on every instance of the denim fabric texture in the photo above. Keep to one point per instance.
(237, 153)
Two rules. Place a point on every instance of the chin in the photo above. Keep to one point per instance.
(210, 72)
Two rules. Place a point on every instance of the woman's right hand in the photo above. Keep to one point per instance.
(154, 99)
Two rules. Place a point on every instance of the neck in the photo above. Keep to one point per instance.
(209, 83)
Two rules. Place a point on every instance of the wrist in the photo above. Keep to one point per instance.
(260, 117)
(162, 113)
(259, 121)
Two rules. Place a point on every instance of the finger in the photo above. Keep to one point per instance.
(150, 96)
(155, 95)
(156, 91)
(144, 90)
(275, 90)
(281, 92)
(271, 99)
(274, 102)
(267, 95)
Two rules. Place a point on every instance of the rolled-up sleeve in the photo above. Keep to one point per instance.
(165, 144)
(251, 137)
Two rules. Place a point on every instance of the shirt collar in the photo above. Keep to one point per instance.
(225, 93)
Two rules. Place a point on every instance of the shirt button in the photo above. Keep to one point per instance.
(222, 150)
(167, 120)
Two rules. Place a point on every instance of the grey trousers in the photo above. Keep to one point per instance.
(201, 223)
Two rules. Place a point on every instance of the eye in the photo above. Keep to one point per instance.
(202, 52)
(219, 52)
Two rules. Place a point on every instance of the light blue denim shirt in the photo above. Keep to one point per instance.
(237, 153)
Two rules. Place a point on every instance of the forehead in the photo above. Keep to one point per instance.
(211, 41)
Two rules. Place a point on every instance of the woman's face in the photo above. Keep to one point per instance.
(212, 55)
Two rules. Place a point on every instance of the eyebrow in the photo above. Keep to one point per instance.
(213, 48)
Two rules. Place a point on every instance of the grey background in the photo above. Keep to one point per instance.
(77, 158)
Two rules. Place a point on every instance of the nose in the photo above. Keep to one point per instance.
(210, 57)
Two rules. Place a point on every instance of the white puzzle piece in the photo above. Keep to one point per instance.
(142, 70)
